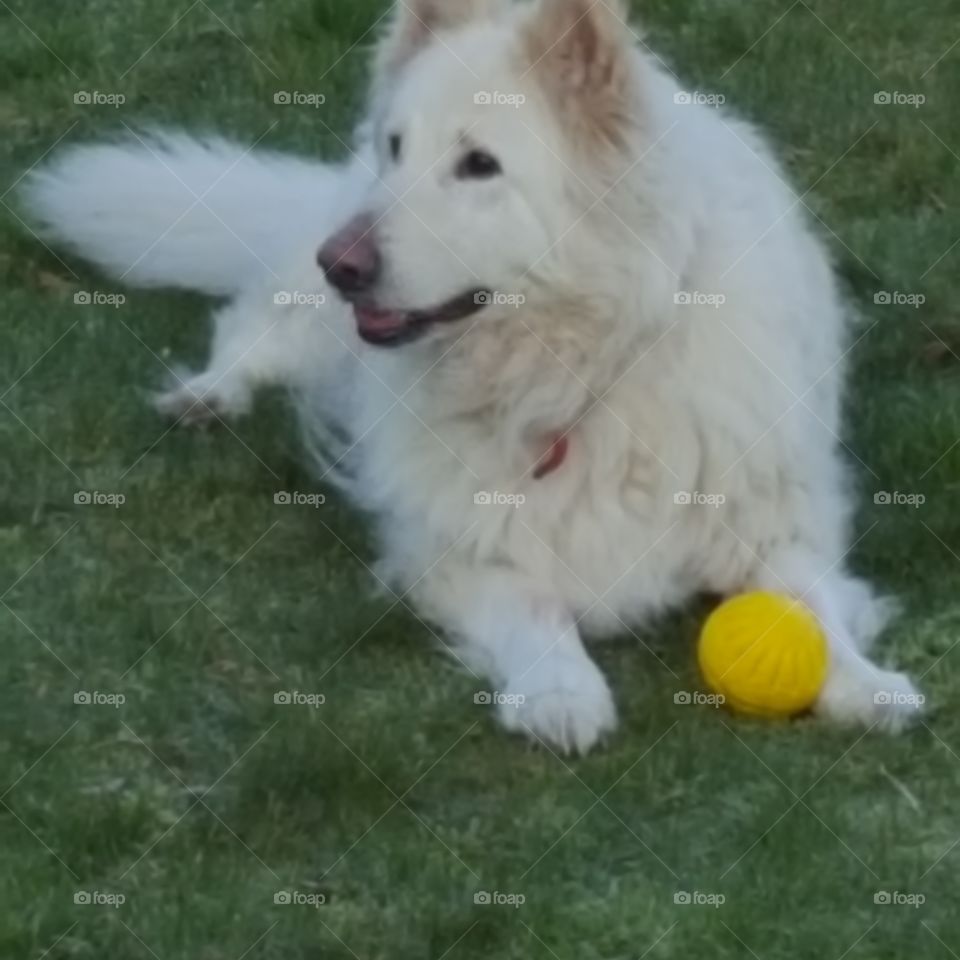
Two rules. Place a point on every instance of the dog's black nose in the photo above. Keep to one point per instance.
(350, 258)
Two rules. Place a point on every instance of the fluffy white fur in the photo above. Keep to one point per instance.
(614, 199)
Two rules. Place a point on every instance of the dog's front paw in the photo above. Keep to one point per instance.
(882, 698)
(564, 702)
(196, 399)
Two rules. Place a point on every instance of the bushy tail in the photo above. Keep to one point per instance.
(170, 210)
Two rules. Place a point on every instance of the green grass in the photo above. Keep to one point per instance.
(199, 798)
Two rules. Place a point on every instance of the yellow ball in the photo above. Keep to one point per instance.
(765, 653)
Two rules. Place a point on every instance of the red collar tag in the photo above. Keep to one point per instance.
(553, 458)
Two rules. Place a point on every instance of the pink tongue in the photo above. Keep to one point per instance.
(369, 318)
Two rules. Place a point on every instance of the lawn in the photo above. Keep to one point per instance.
(172, 814)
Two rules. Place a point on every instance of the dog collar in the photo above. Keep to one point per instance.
(553, 458)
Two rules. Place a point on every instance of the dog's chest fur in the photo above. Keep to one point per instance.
(453, 482)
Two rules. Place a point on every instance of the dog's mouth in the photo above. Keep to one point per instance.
(390, 328)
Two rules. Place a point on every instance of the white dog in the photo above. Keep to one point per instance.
(572, 344)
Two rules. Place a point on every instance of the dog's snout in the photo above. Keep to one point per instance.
(350, 258)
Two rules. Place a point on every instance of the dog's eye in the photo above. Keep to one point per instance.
(395, 144)
(478, 165)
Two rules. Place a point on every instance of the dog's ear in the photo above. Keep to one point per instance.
(581, 52)
(412, 24)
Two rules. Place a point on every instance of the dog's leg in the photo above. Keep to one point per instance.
(256, 342)
(242, 333)
(522, 637)
(856, 691)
